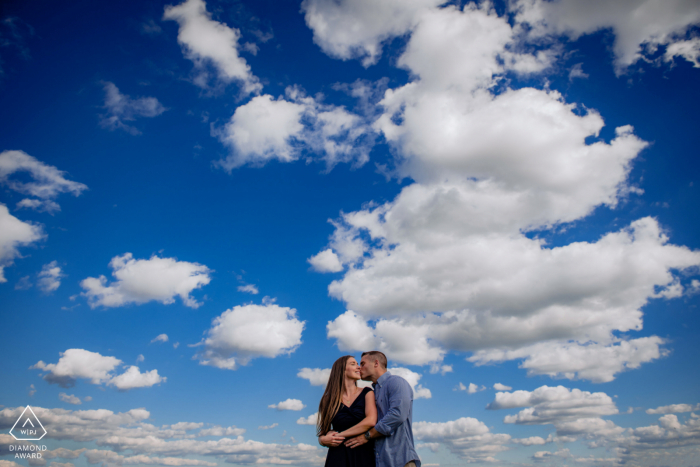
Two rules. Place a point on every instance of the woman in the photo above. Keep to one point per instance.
(346, 411)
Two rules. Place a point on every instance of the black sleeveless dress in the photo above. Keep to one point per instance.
(347, 417)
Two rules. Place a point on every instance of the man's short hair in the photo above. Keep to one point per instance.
(376, 355)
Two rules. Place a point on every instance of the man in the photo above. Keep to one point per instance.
(393, 434)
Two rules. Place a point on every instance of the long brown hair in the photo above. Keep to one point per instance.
(332, 397)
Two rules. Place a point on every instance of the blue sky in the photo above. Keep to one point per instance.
(203, 205)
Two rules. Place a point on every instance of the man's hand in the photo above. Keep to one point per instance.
(331, 439)
(356, 441)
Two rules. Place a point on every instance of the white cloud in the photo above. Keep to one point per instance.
(639, 27)
(69, 398)
(325, 261)
(13, 234)
(474, 388)
(310, 420)
(133, 378)
(140, 281)
(674, 408)
(442, 369)
(160, 338)
(267, 129)
(553, 405)
(221, 431)
(466, 437)
(419, 392)
(316, 376)
(454, 262)
(356, 29)
(267, 427)
(47, 181)
(77, 364)
(248, 288)
(41, 205)
(205, 41)
(501, 387)
(289, 404)
(129, 431)
(249, 331)
(50, 277)
(690, 50)
(140, 358)
(121, 108)
(531, 441)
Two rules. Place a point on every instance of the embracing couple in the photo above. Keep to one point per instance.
(362, 427)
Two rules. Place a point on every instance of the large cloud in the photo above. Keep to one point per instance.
(77, 364)
(205, 41)
(639, 27)
(280, 129)
(454, 262)
(14, 233)
(466, 437)
(146, 443)
(249, 331)
(143, 280)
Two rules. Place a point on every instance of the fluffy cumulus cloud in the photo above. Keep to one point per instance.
(316, 376)
(14, 234)
(69, 398)
(144, 280)
(310, 420)
(172, 445)
(454, 262)
(419, 392)
(207, 43)
(289, 404)
(77, 364)
(249, 331)
(281, 129)
(465, 437)
(501, 387)
(639, 27)
(356, 29)
(120, 108)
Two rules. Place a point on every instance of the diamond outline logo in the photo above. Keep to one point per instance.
(30, 422)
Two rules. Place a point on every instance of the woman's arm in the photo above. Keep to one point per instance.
(330, 439)
(366, 423)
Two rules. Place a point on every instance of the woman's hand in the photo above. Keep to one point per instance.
(331, 439)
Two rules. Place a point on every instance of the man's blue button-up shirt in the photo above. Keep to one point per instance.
(394, 398)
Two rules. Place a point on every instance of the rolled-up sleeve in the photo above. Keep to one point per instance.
(400, 398)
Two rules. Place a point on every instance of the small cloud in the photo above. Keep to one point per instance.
(70, 398)
(151, 28)
(316, 376)
(577, 72)
(32, 390)
(501, 387)
(23, 283)
(249, 288)
(460, 387)
(326, 261)
(267, 427)
(160, 338)
(310, 420)
(176, 345)
(41, 205)
(121, 108)
(50, 277)
(435, 368)
(140, 358)
(289, 404)
(471, 389)
(87, 398)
